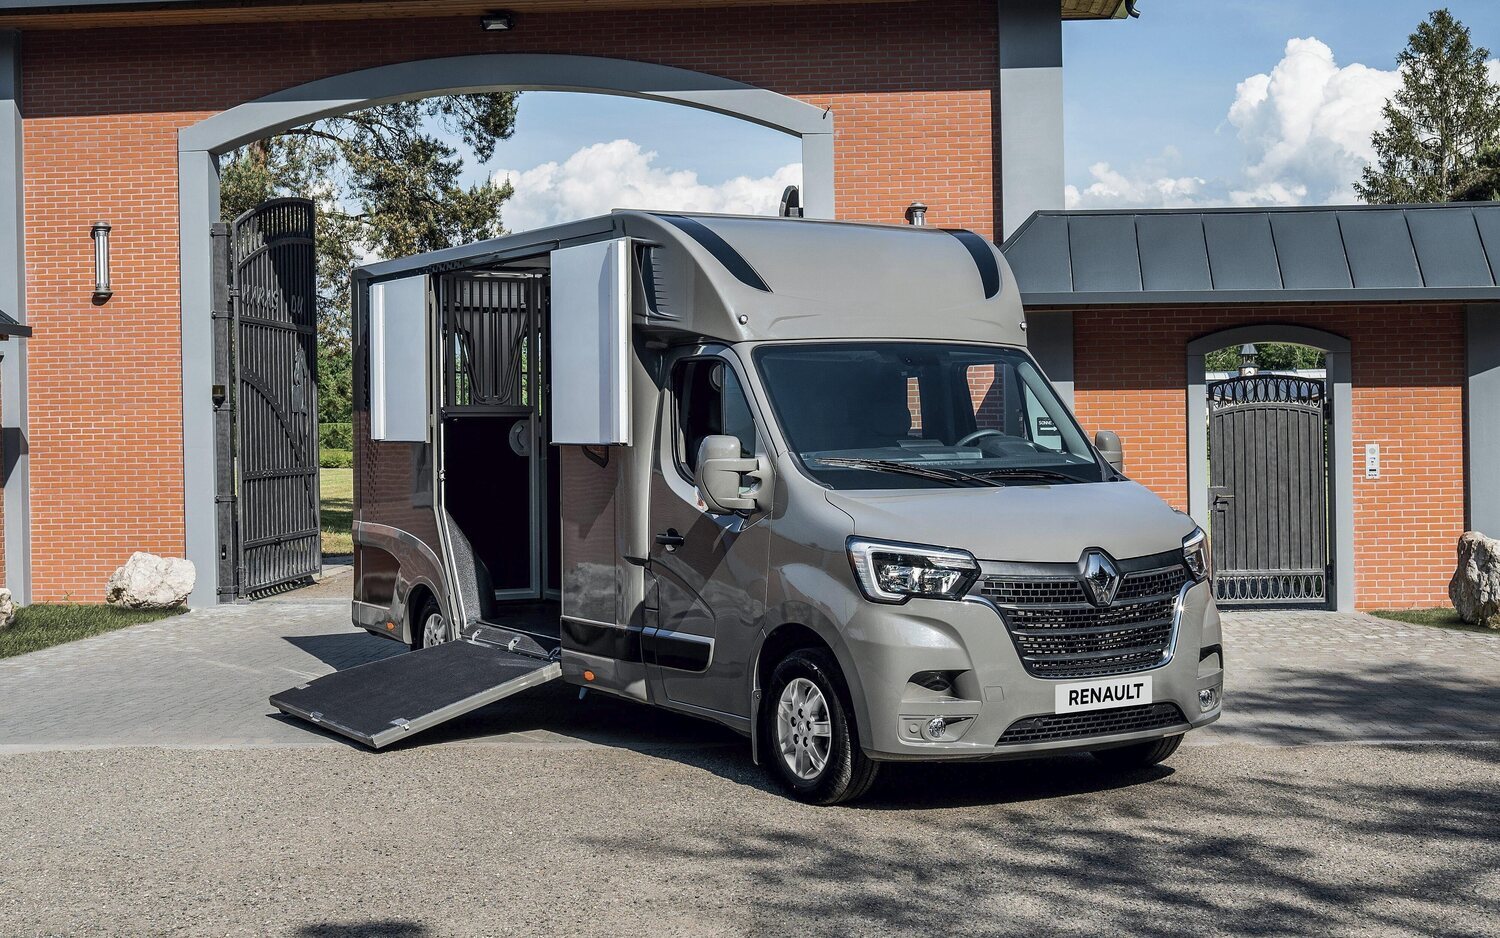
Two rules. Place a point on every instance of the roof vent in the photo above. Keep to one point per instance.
(916, 214)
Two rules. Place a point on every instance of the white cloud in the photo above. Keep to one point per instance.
(1304, 135)
(1306, 126)
(620, 174)
(1150, 185)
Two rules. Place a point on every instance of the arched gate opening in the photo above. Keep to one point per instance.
(201, 145)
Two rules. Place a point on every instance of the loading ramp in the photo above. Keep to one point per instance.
(385, 701)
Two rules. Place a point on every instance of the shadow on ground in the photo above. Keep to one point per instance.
(1071, 849)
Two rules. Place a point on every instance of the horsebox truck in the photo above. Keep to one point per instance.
(797, 477)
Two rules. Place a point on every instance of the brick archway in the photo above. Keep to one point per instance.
(200, 145)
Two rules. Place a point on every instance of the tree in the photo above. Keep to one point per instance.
(385, 186)
(1269, 356)
(1441, 122)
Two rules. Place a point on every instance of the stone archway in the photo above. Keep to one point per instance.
(1341, 434)
(199, 146)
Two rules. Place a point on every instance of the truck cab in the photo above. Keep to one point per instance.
(800, 478)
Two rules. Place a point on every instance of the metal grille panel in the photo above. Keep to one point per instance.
(1268, 444)
(1054, 726)
(1059, 635)
(275, 354)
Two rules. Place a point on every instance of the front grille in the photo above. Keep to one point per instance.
(1058, 634)
(1054, 726)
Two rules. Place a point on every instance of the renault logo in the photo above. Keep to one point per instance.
(1101, 578)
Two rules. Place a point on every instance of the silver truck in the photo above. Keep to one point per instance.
(797, 477)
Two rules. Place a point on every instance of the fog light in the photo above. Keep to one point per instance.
(936, 727)
(1208, 699)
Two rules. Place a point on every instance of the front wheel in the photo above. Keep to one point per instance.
(1138, 755)
(810, 738)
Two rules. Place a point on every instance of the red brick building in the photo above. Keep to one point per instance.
(118, 111)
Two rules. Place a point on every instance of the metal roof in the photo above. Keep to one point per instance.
(9, 327)
(1334, 254)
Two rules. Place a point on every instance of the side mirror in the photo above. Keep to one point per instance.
(1107, 442)
(720, 467)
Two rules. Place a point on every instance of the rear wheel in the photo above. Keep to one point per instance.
(430, 627)
(809, 734)
(1138, 755)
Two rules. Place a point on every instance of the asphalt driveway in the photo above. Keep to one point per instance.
(1351, 789)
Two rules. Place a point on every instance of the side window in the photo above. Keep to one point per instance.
(710, 400)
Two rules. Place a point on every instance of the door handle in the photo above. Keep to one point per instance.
(671, 540)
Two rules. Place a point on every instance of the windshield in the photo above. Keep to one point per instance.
(864, 415)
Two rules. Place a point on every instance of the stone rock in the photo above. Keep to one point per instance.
(1475, 588)
(7, 608)
(147, 581)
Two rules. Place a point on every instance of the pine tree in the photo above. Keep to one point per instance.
(1440, 124)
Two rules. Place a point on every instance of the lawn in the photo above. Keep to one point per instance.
(336, 488)
(1443, 616)
(43, 625)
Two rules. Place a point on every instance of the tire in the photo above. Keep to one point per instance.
(421, 635)
(1139, 755)
(820, 768)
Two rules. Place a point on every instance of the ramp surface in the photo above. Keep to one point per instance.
(384, 701)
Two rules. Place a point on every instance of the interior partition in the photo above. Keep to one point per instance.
(498, 480)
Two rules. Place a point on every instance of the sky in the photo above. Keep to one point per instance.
(1197, 102)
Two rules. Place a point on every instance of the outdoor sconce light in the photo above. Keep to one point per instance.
(916, 214)
(102, 289)
(498, 21)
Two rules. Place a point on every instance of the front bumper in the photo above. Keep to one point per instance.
(992, 690)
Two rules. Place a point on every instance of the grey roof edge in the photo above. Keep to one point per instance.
(1257, 210)
(1261, 297)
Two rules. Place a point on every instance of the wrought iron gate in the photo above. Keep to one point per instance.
(266, 398)
(1268, 470)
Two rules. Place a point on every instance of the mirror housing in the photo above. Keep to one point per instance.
(720, 467)
(1107, 442)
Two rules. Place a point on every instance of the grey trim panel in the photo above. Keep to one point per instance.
(13, 372)
(1482, 404)
(405, 81)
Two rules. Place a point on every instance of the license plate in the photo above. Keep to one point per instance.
(1103, 694)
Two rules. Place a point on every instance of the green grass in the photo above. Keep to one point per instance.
(43, 625)
(336, 489)
(1442, 616)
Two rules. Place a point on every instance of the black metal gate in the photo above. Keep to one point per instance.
(1268, 470)
(266, 395)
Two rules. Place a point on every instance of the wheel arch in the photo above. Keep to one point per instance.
(797, 632)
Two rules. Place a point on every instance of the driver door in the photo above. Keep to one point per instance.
(706, 575)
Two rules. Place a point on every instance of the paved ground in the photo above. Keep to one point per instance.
(1351, 789)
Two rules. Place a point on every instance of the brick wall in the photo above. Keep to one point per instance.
(1407, 395)
(911, 87)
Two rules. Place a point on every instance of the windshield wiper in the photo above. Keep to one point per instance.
(1012, 472)
(951, 476)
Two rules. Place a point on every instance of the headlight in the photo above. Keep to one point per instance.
(892, 572)
(1195, 555)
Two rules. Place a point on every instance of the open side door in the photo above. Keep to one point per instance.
(385, 701)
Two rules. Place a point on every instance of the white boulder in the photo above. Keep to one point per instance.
(147, 581)
(1475, 588)
(7, 608)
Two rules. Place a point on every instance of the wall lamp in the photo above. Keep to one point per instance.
(498, 21)
(102, 289)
